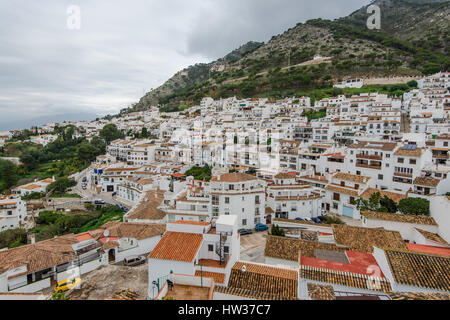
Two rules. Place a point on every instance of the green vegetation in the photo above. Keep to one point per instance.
(8, 174)
(13, 238)
(311, 114)
(110, 133)
(60, 186)
(377, 203)
(61, 158)
(414, 206)
(34, 196)
(59, 296)
(277, 231)
(200, 173)
(51, 224)
(331, 220)
(65, 195)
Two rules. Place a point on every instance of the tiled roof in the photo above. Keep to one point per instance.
(426, 181)
(351, 192)
(392, 195)
(351, 177)
(284, 176)
(432, 236)
(420, 270)
(320, 292)
(385, 146)
(345, 279)
(408, 153)
(138, 231)
(234, 177)
(148, 210)
(406, 218)
(288, 248)
(259, 279)
(218, 277)
(364, 239)
(419, 296)
(246, 293)
(177, 246)
(40, 255)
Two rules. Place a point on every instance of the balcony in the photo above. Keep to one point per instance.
(369, 157)
(368, 166)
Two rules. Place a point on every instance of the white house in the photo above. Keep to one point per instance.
(13, 211)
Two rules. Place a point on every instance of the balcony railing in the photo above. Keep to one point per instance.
(369, 157)
(360, 165)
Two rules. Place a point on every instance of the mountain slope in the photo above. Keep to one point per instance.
(413, 40)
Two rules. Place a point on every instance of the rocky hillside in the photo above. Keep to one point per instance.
(413, 40)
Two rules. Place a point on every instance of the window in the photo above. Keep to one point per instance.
(401, 160)
(380, 177)
(226, 249)
(210, 247)
(231, 187)
(256, 199)
(227, 200)
(412, 161)
(244, 222)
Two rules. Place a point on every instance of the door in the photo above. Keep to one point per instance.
(112, 256)
(347, 211)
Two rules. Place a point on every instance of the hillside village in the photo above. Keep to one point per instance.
(347, 197)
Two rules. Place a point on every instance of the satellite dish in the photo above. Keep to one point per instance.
(106, 233)
(244, 268)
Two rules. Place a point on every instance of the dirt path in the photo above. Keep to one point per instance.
(105, 281)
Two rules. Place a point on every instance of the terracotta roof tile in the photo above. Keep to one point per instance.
(405, 218)
(177, 246)
(320, 292)
(364, 239)
(432, 236)
(419, 269)
(278, 283)
(345, 278)
(288, 248)
(234, 177)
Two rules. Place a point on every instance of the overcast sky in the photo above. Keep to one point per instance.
(124, 48)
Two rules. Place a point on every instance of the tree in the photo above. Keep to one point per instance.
(144, 132)
(29, 161)
(87, 152)
(8, 174)
(110, 133)
(61, 185)
(414, 206)
(389, 204)
(412, 84)
(13, 238)
(277, 231)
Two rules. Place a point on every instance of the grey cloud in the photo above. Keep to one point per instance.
(124, 47)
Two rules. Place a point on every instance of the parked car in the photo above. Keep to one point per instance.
(99, 201)
(299, 219)
(316, 220)
(114, 194)
(133, 261)
(66, 284)
(121, 207)
(261, 227)
(243, 232)
(84, 179)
